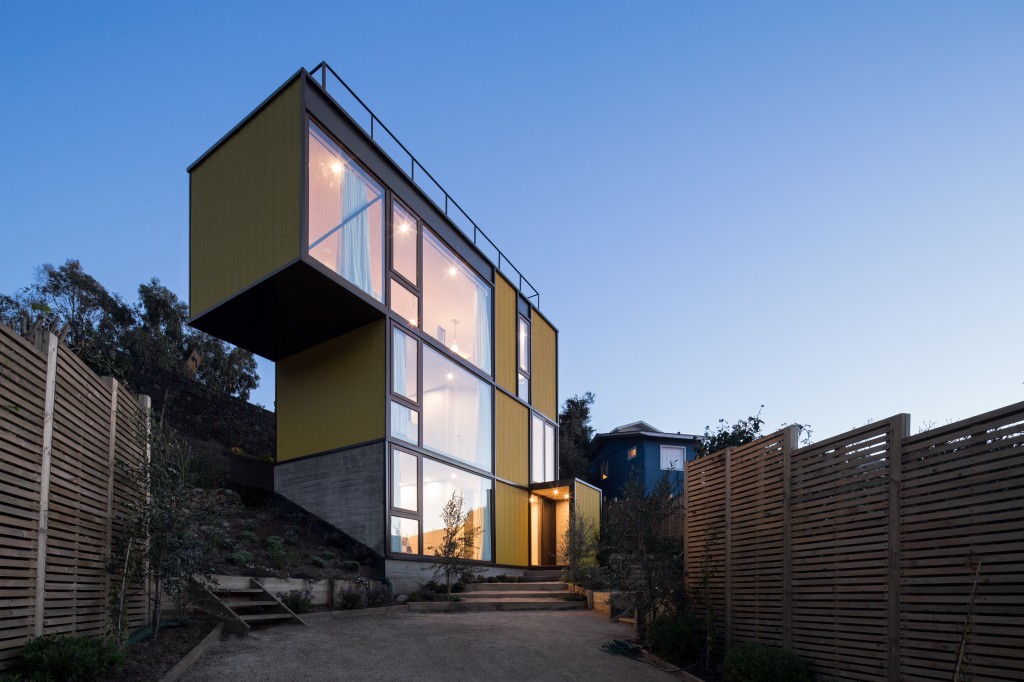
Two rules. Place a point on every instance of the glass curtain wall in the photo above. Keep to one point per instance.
(440, 482)
(456, 304)
(346, 215)
(456, 411)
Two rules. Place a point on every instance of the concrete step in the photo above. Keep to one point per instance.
(516, 595)
(237, 590)
(245, 603)
(256, 617)
(499, 605)
(542, 576)
(515, 587)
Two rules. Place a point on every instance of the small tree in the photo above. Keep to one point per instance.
(577, 549)
(453, 555)
(730, 435)
(162, 531)
(643, 562)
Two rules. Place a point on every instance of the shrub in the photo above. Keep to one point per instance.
(274, 542)
(677, 637)
(70, 659)
(247, 536)
(241, 558)
(351, 599)
(378, 595)
(279, 554)
(350, 565)
(752, 662)
(299, 601)
(318, 562)
(327, 555)
(291, 537)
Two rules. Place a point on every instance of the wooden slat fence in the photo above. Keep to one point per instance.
(862, 552)
(62, 432)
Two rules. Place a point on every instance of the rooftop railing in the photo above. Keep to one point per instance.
(422, 178)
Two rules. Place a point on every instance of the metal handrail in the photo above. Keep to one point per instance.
(478, 234)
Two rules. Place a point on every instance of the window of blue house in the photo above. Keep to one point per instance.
(672, 457)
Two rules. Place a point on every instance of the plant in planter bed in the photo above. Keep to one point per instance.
(753, 662)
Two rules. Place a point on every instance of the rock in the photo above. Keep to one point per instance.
(401, 599)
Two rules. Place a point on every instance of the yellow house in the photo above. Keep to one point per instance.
(412, 358)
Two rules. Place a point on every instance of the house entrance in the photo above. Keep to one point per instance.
(549, 518)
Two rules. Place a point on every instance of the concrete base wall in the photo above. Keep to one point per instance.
(407, 576)
(345, 489)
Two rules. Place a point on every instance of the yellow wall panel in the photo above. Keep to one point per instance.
(512, 444)
(544, 373)
(506, 313)
(511, 521)
(332, 395)
(588, 502)
(245, 206)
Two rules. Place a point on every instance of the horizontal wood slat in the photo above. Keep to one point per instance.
(80, 502)
(876, 536)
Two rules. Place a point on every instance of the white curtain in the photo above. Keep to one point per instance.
(482, 342)
(354, 259)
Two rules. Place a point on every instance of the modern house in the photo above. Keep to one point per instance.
(412, 358)
(639, 449)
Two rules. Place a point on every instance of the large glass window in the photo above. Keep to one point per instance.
(403, 244)
(456, 411)
(346, 215)
(404, 481)
(523, 389)
(440, 482)
(456, 304)
(405, 423)
(405, 303)
(405, 535)
(672, 457)
(404, 365)
(542, 451)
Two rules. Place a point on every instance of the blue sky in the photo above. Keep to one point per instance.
(815, 206)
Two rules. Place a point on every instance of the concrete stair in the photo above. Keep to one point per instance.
(526, 596)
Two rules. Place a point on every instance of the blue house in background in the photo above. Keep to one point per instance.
(640, 448)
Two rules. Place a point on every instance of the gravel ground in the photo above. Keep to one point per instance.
(510, 645)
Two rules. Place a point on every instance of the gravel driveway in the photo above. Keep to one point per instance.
(400, 645)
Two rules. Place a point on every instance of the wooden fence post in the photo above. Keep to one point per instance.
(49, 342)
(686, 523)
(112, 386)
(728, 547)
(146, 406)
(790, 443)
(899, 429)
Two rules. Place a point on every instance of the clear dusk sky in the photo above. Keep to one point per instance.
(817, 206)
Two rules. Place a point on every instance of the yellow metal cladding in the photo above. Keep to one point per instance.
(545, 368)
(588, 502)
(512, 445)
(511, 521)
(244, 203)
(506, 317)
(332, 395)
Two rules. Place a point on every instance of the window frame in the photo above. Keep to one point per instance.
(522, 373)
(545, 422)
(310, 122)
(391, 510)
(631, 453)
(661, 457)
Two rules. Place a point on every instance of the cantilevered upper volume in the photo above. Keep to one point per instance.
(412, 359)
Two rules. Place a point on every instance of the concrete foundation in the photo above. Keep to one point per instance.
(345, 489)
(407, 576)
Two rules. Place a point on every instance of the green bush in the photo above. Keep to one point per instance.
(676, 637)
(350, 565)
(241, 558)
(327, 555)
(351, 599)
(299, 601)
(752, 662)
(318, 562)
(62, 658)
(247, 536)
